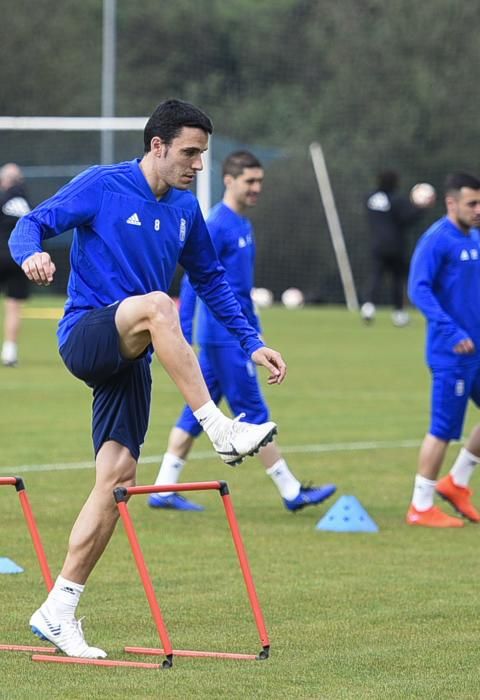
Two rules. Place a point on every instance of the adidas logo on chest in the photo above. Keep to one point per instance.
(134, 220)
(471, 254)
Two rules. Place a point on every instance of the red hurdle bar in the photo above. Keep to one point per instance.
(37, 542)
(32, 526)
(144, 575)
(121, 495)
(27, 647)
(94, 662)
(40, 552)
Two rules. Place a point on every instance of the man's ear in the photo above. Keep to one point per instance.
(157, 146)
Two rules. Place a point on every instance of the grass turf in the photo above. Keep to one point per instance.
(351, 615)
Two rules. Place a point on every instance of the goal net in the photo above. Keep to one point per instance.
(294, 248)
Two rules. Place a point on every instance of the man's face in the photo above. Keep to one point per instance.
(245, 188)
(181, 160)
(464, 208)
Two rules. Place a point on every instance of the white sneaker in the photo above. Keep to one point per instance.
(9, 355)
(242, 439)
(67, 635)
(9, 363)
(367, 312)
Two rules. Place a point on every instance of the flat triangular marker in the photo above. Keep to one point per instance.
(7, 566)
(347, 515)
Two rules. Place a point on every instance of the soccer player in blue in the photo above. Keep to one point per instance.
(226, 367)
(132, 222)
(444, 284)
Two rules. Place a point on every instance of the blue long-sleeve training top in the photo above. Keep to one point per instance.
(233, 238)
(126, 242)
(444, 283)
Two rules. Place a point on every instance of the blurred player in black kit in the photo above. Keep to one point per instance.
(389, 216)
(13, 205)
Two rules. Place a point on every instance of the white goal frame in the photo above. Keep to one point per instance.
(107, 124)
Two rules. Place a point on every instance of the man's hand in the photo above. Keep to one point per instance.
(273, 361)
(464, 347)
(39, 268)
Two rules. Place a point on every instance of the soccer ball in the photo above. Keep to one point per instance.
(423, 195)
(293, 298)
(261, 297)
(400, 318)
(367, 312)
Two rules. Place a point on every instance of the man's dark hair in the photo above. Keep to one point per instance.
(170, 117)
(387, 181)
(455, 181)
(236, 162)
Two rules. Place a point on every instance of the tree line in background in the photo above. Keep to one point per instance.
(379, 84)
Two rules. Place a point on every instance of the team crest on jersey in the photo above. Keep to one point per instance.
(242, 242)
(183, 229)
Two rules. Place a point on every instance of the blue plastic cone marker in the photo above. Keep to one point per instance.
(347, 515)
(7, 566)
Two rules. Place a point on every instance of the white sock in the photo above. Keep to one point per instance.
(423, 493)
(463, 468)
(9, 351)
(284, 480)
(170, 471)
(211, 419)
(64, 597)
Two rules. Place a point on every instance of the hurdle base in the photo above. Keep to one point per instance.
(26, 647)
(99, 662)
(152, 651)
(264, 654)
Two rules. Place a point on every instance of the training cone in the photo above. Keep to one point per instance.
(347, 515)
(7, 566)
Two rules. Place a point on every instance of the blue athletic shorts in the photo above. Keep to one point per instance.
(121, 388)
(451, 391)
(229, 373)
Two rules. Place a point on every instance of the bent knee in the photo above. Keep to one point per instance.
(161, 309)
(160, 305)
(141, 313)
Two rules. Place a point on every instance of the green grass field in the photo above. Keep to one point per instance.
(349, 615)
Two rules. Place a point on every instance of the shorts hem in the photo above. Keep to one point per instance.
(121, 441)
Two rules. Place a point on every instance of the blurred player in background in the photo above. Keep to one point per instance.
(227, 369)
(13, 205)
(389, 216)
(132, 223)
(444, 284)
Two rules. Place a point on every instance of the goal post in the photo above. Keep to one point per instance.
(334, 226)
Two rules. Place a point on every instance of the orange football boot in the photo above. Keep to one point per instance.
(433, 517)
(459, 497)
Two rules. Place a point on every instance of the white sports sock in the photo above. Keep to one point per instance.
(463, 468)
(9, 351)
(211, 419)
(170, 471)
(423, 493)
(64, 597)
(282, 477)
